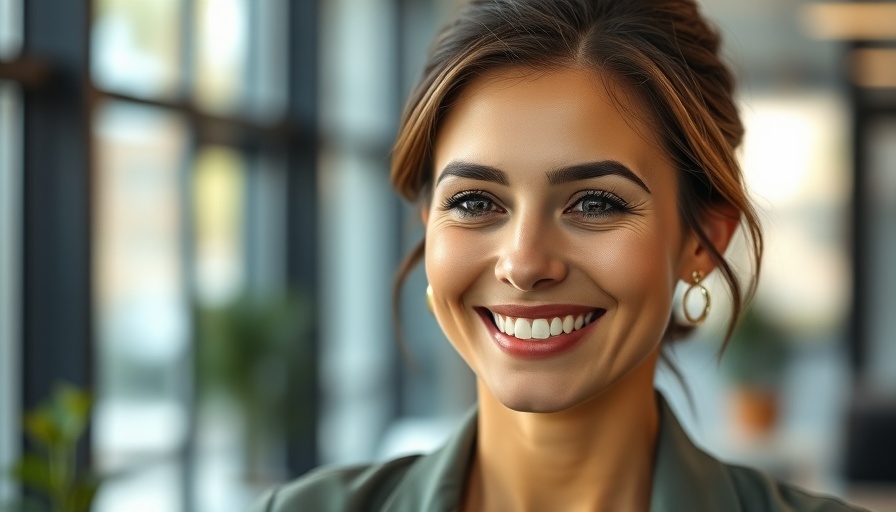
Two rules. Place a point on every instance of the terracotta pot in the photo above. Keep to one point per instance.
(756, 410)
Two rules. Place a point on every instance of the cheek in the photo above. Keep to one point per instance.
(455, 259)
(454, 263)
(637, 266)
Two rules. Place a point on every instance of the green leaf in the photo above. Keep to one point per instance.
(83, 493)
(34, 472)
(41, 427)
(72, 408)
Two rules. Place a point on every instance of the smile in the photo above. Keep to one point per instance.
(542, 328)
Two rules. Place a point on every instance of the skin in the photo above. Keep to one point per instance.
(577, 430)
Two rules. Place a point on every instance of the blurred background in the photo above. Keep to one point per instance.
(196, 228)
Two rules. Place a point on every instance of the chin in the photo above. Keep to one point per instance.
(541, 399)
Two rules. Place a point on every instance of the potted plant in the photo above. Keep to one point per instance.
(252, 352)
(755, 362)
(51, 471)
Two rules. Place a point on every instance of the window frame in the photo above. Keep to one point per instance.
(57, 160)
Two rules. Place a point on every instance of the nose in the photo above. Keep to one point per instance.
(532, 256)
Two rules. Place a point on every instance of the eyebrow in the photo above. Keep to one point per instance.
(473, 171)
(594, 170)
(558, 176)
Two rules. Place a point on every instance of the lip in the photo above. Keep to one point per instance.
(536, 349)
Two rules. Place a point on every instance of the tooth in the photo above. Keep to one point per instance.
(522, 329)
(556, 326)
(508, 325)
(580, 321)
(588, 317)
(499, 321)
(540, 329)
(567, 324)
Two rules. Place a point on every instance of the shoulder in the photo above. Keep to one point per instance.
(688, 478)
(432, 482)
(351, 488)
(760, 492)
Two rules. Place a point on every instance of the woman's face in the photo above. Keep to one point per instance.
(554, 215)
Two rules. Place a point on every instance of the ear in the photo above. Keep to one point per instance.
(424, 214)
(719, 224)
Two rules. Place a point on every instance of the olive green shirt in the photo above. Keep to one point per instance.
(686, 479)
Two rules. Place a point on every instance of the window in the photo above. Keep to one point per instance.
(141, 303)
(10, 244)
(10, 28)
(881, 212)
(176, 175)
(195, 148)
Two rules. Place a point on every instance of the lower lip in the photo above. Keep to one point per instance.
(533, 348)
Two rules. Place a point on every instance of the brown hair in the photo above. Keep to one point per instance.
(664, 51)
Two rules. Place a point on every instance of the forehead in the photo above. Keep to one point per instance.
(546, 118)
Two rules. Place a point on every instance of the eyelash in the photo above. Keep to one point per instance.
(614, 203)
(456, 203)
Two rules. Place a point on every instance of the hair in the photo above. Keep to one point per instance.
(663, 51)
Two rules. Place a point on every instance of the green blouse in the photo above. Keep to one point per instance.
(686, 479)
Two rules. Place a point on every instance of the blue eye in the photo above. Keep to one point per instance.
(598, 203)
(471, 203)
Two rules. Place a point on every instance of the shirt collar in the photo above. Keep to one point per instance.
(685, 477)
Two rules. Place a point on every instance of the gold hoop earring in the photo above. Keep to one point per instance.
(697, 276)
(429, 297)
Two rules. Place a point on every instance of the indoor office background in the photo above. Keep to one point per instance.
(196, 226)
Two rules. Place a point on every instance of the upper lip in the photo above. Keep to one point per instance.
(543, 311)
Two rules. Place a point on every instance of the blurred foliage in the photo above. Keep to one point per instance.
(254, 351)
(51, 470)
(758, 353)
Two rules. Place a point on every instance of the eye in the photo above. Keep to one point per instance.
(471, 203)
(598, 203)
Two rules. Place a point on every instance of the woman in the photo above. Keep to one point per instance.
(573, 160)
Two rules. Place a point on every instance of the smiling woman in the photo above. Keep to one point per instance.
(573, 161)
(582, 222)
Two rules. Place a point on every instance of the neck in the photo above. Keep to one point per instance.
(597, 456)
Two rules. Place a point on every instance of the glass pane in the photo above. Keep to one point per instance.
(136, 47)
(797, 165)
(243, 314)
(219, 189)
(141, 306)
(221, 51)
(219, 184)
(241, 56)
(10, 28)
(10, 269)
(882, 253)
(266, 78)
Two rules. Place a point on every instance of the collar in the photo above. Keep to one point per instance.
(685, 477)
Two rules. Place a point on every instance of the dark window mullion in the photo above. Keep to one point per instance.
(302, 216)
(227, 130)
(57, 307)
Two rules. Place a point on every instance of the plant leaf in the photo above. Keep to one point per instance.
(72, 408)
(41, 428)
(34, 472)
(83, 493)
